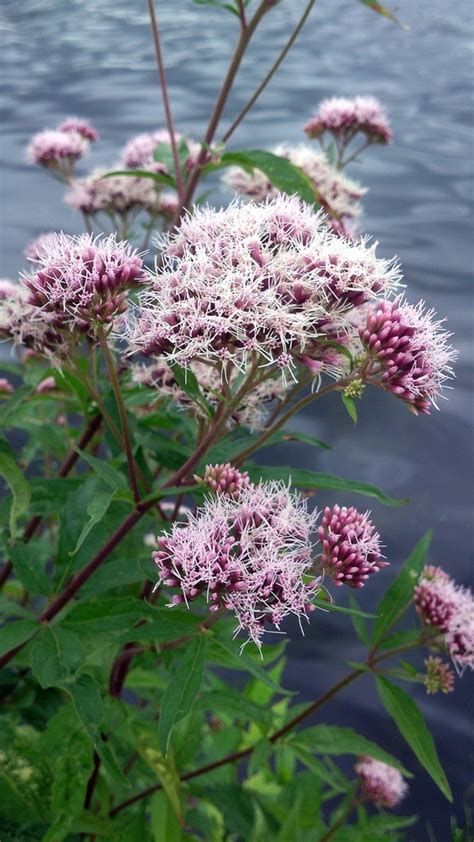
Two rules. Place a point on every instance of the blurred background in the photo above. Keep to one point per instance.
(94, 59)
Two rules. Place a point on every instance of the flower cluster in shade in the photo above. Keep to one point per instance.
(408, 351)
(382, 784)
(343, 118)
(439, 677)
(59, 149)
(251, 411)
(248, 549)
(337, 194)
(82, 280)
(265, 281)
(123, 195)
(447, 608)
(350, 546)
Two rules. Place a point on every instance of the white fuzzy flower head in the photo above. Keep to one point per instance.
(249, 553)
(382, 784)
(266, 281)
(138, 152)
(83, 280)
(338, 195)
(57, 151)
(27, 327)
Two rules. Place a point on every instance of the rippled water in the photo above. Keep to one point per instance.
(95, 59)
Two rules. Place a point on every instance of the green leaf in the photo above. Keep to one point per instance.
(87, 702)
(382, 10)
(146, 745)
(340, 609)
(182, 690)
(240, 660)
(162, 178)
(187, 381)
(167, 625)
(358, 622)
(107, 615)
(163, 820)
(29, 568)
(170, 491)
(16, 633)
(409, 720)
(350, 406)
(301, 478)
(96, 510)
(19, 487)
(72, 768)
(284, 175)
(110, 475)
(56, 653)
(333, 740)
(12, 404)
(400, 593)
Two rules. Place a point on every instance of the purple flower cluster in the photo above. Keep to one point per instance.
(59, 149)
(225, 479)
(350, 546)
(445, 606)
(249, 553)
(266, 280)
(343, 118)
(408, 352)
(382, 784)
(83, 280)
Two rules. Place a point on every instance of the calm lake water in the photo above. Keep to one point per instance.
(94, 58)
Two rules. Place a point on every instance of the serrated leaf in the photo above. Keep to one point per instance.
(333, 740)
(166, 625)
(106, 472)
(96, 510)
(240, 660)
(107, 615)
(182, 690)
(19, 487)
(400, 593)
(17, 632)
(411, 724)
(28, 569)
(301, 478)
(56, 653)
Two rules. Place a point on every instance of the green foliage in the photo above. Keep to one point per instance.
(182, 690)
(20, 490)
(409, 720)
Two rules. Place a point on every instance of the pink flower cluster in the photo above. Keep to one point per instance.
(59, 149)
(343, 117)
(408, 352)
(250, 553)
(438, 678)
(139, 151)
(225, 479)
(24, 325)
(249, 549)
(338, 195)
(266, 280)
(123, 195)
(382, 784)
(350, 546)
(83, 280)
(448, 608)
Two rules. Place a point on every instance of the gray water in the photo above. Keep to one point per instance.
(94, 58)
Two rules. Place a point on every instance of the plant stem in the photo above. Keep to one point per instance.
(242, 44)
(341, 820)
(109, 361)
(64, 469)
(263, 84)
(240, 755)
(332, 387)
(166, 101)
(130, 521)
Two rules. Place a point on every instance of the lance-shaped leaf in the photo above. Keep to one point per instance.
(301, 478)
(400, 593)
(386, 13)
(409, 720)
(55, 655)
(161, 178)
(238, 658)
(19, 487)
(182, 690)
(333, 740)
(187, 381)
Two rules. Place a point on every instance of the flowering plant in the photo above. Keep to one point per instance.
(149, 560)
